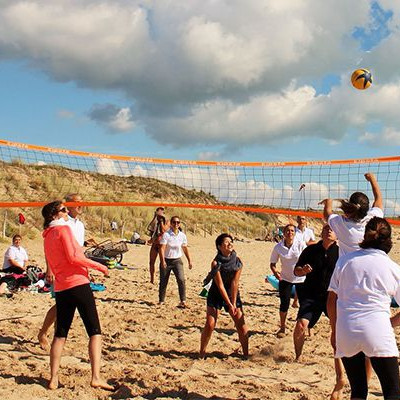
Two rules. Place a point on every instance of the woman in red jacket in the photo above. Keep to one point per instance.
(72, 288)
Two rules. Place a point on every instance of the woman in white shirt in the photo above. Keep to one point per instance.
(172, 244)
(360, 293)
(349, 228)
(288, 252)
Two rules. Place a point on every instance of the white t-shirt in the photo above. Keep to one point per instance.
(173, 243)
(78, 229)
(350, 233)
(288, 257)
(305, 236)
(17, 254)
(364, 282)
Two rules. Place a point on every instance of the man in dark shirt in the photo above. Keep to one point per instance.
(316, 263)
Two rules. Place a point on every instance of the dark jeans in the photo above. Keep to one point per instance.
(176, 266)
(386, 368)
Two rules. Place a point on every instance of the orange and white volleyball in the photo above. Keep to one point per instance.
(361, 79)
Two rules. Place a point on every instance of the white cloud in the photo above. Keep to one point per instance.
(198, 71)
(113, 118)
(209, 155)
(276, 187)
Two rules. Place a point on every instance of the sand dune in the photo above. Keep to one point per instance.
(151, 350)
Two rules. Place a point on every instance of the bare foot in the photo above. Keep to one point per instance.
(53, 384)
(102, 384)
(281, 333)
(337, 393)
(43, 342)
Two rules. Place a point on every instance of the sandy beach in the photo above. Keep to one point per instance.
(151, 350)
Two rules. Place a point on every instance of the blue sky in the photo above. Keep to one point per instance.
(196, 80)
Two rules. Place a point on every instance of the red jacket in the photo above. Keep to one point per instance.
(66, 258)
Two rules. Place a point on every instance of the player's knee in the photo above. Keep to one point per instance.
(301, 327)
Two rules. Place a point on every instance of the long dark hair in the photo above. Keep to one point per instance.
(49, 211)
(356, 207)
(378, 235)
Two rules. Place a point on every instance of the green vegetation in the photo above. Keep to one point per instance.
(29, 183)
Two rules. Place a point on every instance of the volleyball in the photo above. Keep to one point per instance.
(361, 79)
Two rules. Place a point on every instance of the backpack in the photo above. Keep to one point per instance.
(34, 273)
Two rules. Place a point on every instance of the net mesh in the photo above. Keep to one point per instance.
(278, 186)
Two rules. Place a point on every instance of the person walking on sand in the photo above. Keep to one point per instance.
(288, 252)
(226, 269)
(78, 230)
(72, 290)
(172, 244)
(360, 294)
(317, 263)
(157, 227)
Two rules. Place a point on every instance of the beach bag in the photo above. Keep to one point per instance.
(205, 290)
(207, 282)
(34, 273)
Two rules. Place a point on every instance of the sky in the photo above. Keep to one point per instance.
(254, 80)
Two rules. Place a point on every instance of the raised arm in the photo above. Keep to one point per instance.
(327, 208)
(376, 190)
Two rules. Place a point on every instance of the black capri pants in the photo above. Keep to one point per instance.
(81, 298)
(285, 292)
(386, 368)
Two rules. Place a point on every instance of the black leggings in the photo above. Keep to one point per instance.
(285, 291)
(386, 368)
(81, 298)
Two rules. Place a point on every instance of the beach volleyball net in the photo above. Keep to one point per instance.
(269, 187)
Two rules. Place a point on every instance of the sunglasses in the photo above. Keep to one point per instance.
(175, 222)
(63, 210)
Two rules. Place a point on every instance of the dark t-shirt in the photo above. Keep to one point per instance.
(323, 263)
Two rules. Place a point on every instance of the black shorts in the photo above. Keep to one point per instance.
(311, 310)
(81, 298)
(215, 300)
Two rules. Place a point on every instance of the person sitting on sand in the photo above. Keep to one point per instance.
(16, 257)
(226, 269)
(288, 251)
(172, 244)
(72, 290)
